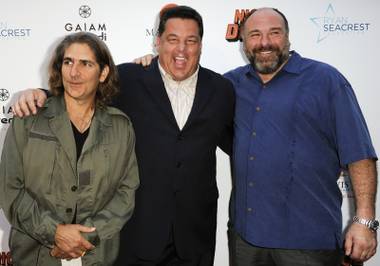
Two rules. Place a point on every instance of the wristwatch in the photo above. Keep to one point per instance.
(371, 224)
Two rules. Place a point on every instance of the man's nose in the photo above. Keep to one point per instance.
(265, 41)
(74, 71)
(181, 46)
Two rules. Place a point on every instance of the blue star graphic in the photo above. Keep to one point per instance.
(320, 21)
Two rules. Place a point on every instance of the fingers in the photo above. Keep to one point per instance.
(362, 250)
(39, 97)
(60, 254)
(348, 245)
(85, 229)
(145, 60)
(28, 102)
(360, 243)
(16, 109)
(69, 238)
(137, 60)
(76, 253)
(85, 245)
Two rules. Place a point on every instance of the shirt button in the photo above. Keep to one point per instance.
(179, 164)
(74, 188)
(249, 209)
(254, 133)
(258, 109)
(69, 210)
(250, 184)
(251, 158)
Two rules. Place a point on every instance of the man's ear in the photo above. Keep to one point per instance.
(104, 73)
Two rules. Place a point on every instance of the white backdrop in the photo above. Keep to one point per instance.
(333, 31)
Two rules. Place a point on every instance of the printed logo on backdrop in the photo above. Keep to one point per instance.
(332, 23)
(6, 115)
(85, 11)
(345, 186)
(232, 34)
(4, 95)
(86, 24)
(14, 32)
(5, 258)
(151, 32)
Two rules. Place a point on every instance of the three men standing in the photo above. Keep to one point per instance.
(297, 123)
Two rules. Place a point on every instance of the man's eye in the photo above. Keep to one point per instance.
(254, 35)
(87, 63)
(67, 62)
(191, 41)
(275, 32)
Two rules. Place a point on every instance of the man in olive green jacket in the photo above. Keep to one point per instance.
(42, 184)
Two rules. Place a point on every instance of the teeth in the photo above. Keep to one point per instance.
(180, 58)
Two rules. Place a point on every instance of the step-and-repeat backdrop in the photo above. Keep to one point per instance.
(343, 33)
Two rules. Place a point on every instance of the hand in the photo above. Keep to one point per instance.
(59, 254)
(28, 102)
(68, 238)
(145, 60)
(360, 242)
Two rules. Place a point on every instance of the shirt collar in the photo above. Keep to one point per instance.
(294, 64)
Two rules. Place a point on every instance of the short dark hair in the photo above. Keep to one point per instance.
(286, 24)
(183, 12)
(103, 57)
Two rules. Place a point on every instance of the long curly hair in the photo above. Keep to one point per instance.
(107, 89)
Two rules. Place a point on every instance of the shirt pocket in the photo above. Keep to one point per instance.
(39, 159)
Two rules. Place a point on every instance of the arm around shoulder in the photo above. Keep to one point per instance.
(28, 102)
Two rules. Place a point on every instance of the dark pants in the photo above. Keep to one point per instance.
(245, 254)
(170, 258)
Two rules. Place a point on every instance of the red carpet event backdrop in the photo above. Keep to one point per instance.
(343, 33)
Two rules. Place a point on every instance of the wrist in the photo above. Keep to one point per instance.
(371, 224)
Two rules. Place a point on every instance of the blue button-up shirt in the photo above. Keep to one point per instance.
(292, 137)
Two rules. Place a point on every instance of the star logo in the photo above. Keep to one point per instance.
(320, 21)
(331, 24)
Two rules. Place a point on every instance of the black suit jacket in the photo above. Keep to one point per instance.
(177, 168)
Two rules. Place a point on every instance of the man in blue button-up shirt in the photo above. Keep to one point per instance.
(297, 124)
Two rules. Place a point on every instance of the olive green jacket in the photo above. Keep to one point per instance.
(42, 183)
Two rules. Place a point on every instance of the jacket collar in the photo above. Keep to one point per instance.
(55, 107)
(60, 125)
